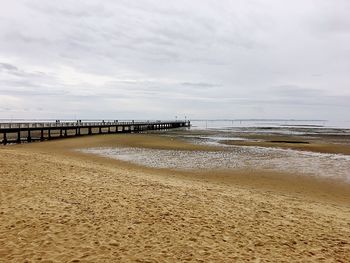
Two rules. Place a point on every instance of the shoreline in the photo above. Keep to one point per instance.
(305, 186)
(65, 205)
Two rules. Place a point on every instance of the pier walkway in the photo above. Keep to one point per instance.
(39, 131)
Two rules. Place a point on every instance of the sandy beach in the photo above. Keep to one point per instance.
(60, 205)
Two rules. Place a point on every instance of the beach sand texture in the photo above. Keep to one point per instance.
(57, 205)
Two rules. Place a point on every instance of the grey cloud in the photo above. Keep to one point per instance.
(206, 58)
(32, 92)
(332, 19)
(290, 90)
(8, 67)
(200, 85)
(29, 40)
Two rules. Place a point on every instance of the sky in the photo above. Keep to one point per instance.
(156, 59)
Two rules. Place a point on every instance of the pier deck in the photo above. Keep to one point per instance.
(39, 131)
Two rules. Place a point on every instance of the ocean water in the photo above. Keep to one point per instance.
(273, 123)
(277, 124)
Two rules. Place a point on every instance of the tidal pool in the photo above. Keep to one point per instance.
(235, 157)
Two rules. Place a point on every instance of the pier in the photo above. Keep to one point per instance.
(17, 132)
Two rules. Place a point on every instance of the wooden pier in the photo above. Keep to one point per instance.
(40, 131)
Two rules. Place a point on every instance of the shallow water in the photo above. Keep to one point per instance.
(236, 157)
(232, 124)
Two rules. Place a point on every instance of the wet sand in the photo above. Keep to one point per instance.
(60, 205)
(320, 142)
(313, 140)
(288, 142)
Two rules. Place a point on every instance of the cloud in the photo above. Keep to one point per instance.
(200, 85)
(8, 67)
(150, 58)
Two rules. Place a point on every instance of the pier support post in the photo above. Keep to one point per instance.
(90, 130)
(61, 133)
(49, 133)
(99, 130)
(65, 132)
(4, 140)
(19, 137)
(29, 138)
(42, 134)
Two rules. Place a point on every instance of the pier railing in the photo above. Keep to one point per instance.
(17, 132)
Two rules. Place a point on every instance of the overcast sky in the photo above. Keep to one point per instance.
(156, 59)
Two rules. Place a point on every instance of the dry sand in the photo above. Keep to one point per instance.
(57, 205)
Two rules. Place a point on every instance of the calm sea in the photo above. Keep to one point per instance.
(224, 124)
